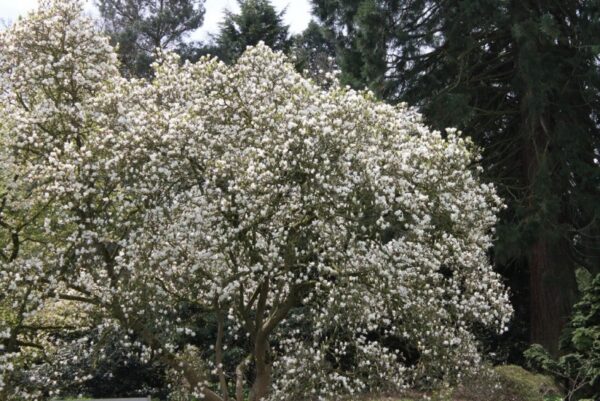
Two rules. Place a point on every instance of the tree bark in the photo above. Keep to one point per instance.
(219, 355)
(262, 380)
(240, 378)
(551, 292)
(552, 288)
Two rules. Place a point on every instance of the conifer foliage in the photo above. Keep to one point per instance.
(140, 27)
(257, 21)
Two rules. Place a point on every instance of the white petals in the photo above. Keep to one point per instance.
(214, 186)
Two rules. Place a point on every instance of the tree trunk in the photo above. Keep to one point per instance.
(552, 287)
(551, 291)
(262, 380)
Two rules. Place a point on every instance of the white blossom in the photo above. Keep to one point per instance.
(246, 191)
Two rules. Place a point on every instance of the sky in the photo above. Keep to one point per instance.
(297, 15)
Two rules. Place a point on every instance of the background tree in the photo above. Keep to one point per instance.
(313, 52)
(142, 26)
(522, 78)
(256, 21)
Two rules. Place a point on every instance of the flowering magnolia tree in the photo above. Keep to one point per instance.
(319, 227)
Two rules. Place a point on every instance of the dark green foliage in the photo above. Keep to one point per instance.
(314, 52)
(520, 77)
(507, 383)
(142, 26)
(519, 384)
(257, 21)
(98, 366)
(579, 366)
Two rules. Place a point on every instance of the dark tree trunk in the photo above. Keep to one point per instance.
(552, 283)
(262, 380)
(548, 246)
(551, 291)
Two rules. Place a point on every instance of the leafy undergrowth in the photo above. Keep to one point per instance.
(424, 397)
(419, 398)
(502, 383)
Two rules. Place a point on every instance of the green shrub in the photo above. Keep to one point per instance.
(507, 383)
(578, 369)
(519, 384)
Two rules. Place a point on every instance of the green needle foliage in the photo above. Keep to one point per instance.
(142, 26)
(314, 53)
(257, 21)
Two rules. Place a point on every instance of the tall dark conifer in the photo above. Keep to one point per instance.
(522, 78)
(142, 26)
(256, 21)
(314, 53)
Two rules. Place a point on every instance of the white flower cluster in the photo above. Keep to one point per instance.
(341, 242)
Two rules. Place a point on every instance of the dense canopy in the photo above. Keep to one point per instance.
(130, 207)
